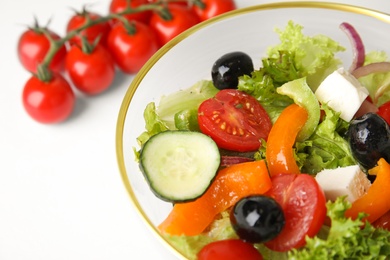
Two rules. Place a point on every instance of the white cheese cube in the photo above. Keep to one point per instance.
(350, 181)
(342, 92)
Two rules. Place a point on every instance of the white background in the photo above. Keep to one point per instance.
(61, 196)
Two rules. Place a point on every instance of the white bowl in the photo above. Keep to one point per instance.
(189, 57)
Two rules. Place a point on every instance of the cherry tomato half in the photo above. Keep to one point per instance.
(230, 249)
(304, 206)
(91, 33)
(33, 47)
(383, 221)
(48, 102)
(131, 50)
(234, 120)
(384, 111)
(92, 73)
(214, 8)
(182, 19)
(117, 6)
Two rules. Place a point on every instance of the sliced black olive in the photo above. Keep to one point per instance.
(229, 67)
(257, 219)
(369, 139)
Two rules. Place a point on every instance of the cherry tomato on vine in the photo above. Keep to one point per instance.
(384, 111)
(117, 6)
(234, 120)
(230, 249)
(33, 46)
(48, 102)
(213, 8)
(182, 19)
(92, 32)
(304, 206)
(93, 72)
(131, 49)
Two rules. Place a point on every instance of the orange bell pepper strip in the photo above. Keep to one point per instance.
(230, 185)
(376, 201)
(279, 153)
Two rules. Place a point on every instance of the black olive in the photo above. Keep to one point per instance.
(369, 139)
(257, 219)
(229, 67)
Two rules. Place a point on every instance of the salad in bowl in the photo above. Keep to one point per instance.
(286, 156)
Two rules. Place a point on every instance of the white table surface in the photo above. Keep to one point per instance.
(61, 195)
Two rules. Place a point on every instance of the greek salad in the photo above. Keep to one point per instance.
(286, 161)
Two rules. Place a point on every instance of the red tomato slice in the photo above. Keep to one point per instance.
(303, 203)
(231, 249)
(234, 120)
(383, 221)
(384, 111)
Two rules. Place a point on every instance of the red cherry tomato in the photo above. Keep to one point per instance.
(131, 50)
(182, 19)
(230, 249)
(92, 73)
(48, 102)
(91, 33)
(117, 6)
(383, 221)
(214, 8)
(304, 206)
(33, 47)
(384, 111)
(234, 120)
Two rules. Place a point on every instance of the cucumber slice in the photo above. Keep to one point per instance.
(179, 166)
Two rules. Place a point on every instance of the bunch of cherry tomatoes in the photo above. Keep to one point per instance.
(96, 46)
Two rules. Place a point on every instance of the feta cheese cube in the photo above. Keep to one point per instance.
(342, 92)
(350, 181)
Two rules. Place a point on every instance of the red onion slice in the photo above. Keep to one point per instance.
(365, 108)
(357, 45)
(376, 67)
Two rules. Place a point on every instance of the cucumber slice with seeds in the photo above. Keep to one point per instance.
(179, 166)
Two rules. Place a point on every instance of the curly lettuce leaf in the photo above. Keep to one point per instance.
(326, 148)
(346, 238)
(297, 56)
(261, 86)
(314, 57)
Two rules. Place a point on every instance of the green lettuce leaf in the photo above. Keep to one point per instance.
(326, 148)
(153, 124)
(297, 56)
(314, 57)
(189, 246)
(186, 99)
(171, 110)
(346, 238)
(261, 86)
